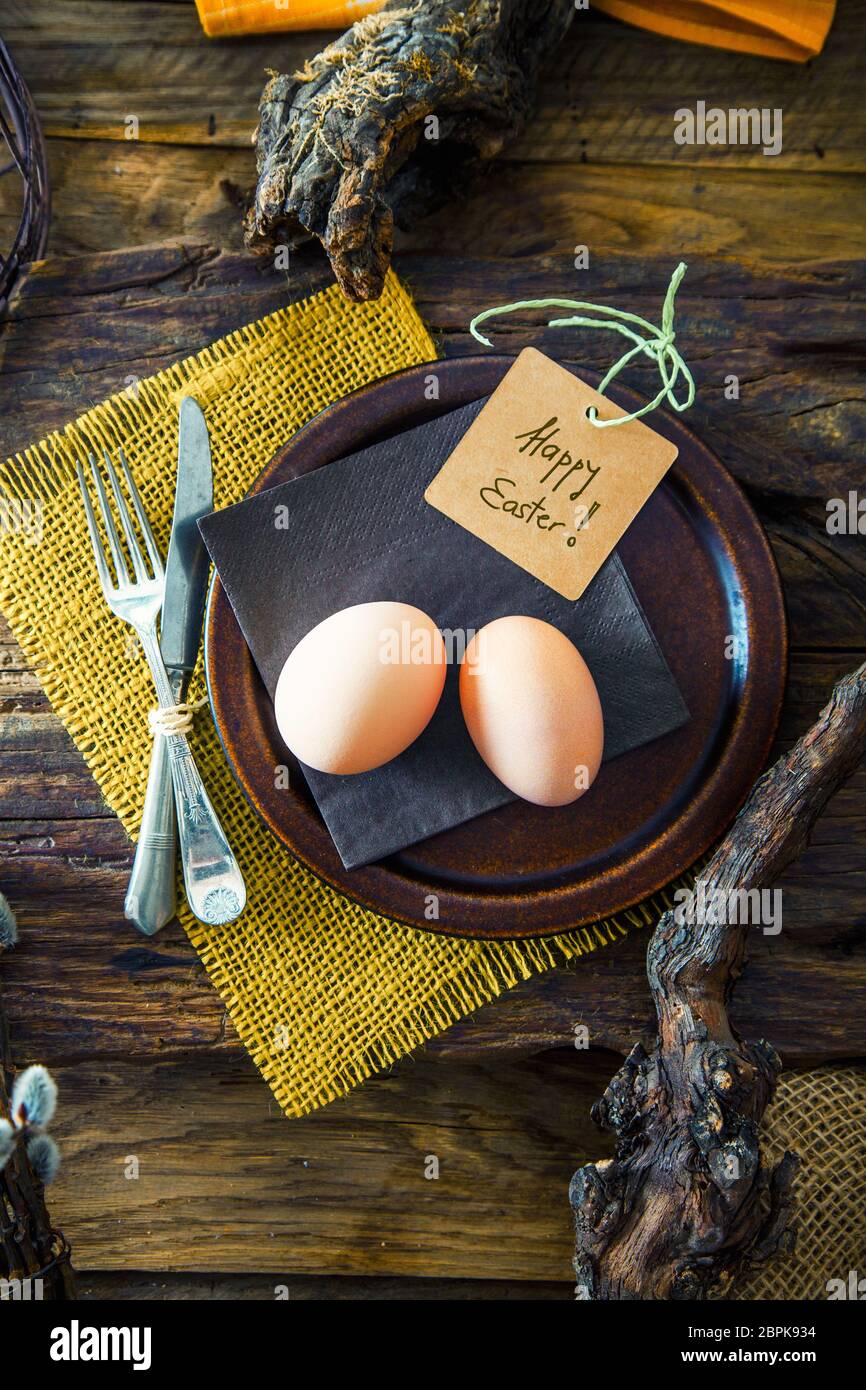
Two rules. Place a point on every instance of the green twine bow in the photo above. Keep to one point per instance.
(655, 343)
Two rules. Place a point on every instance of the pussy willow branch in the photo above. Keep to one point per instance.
(688, 1200)
(29, 1244)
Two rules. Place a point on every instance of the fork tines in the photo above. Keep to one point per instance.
(121, 572)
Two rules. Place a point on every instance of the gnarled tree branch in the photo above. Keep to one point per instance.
(688, 1199)
(385, 122)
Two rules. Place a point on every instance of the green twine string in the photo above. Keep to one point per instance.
(653, 342)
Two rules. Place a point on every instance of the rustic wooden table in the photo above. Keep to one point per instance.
(146, 266)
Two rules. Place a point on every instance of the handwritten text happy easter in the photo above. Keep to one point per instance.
(543, 443)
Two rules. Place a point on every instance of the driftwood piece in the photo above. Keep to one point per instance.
(688, 1199)
(389, 120)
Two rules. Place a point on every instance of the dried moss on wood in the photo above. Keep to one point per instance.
(389, 121)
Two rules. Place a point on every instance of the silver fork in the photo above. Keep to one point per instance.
(214, 886)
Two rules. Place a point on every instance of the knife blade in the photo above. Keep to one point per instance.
(151, 895)
(186, 567)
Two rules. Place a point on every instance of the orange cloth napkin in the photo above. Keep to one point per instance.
(223, 17)
(794, 29)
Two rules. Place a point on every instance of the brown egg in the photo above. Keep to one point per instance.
(532, 710)
(360, 687)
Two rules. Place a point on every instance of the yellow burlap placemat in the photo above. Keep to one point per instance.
(322, 993)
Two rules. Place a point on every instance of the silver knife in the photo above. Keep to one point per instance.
(151, 898)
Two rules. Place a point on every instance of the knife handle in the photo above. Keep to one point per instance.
(151, 898)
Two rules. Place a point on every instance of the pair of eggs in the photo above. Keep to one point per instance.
(361, 686)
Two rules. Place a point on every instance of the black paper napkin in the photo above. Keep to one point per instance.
(359, 531)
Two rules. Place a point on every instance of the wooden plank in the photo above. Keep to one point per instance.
(611, 92)
(790, 335)
(91, 63)
(83, 328)
(110, 195)
(163, 1286)
(42, 775)
(526, 209)
(340, 1192)
(82, 981)
(106, 195)
(601, 100)
(117, 992)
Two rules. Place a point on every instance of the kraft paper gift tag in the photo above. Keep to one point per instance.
(537, 480)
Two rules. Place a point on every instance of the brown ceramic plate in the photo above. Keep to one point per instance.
(704, 573)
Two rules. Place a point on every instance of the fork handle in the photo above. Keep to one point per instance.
(151, 898)
(214, 886)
